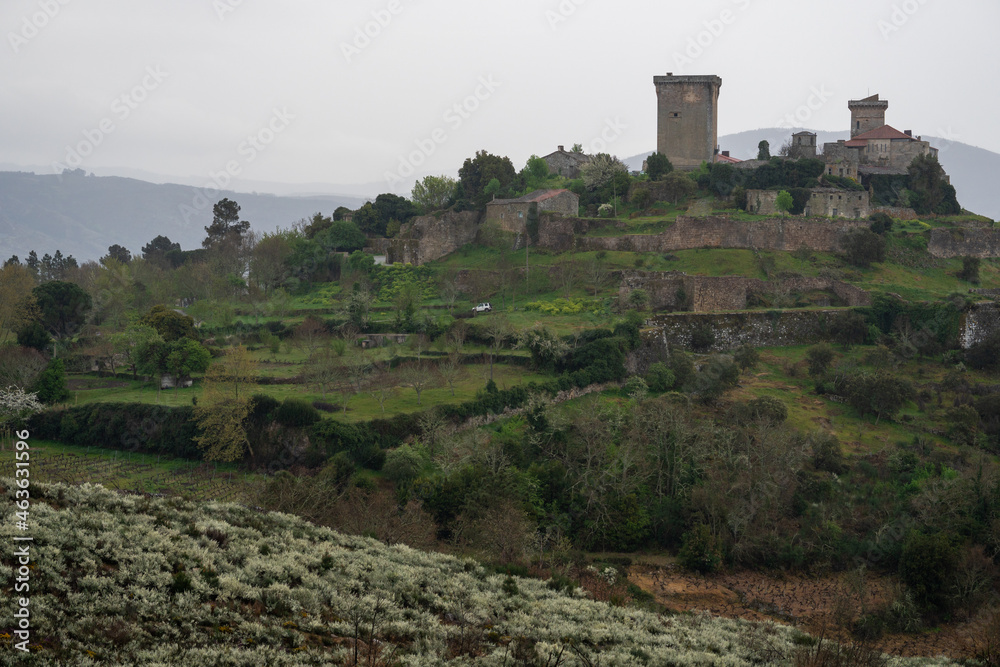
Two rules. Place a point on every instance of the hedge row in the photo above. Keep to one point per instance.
(134, 427)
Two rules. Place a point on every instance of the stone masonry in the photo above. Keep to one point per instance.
(823, 202)
(687, 119)
(982, 243)
(513, 214)
(429, 237)
(689, 233)
(711, 294)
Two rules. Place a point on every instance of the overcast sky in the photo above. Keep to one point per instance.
(310, 91)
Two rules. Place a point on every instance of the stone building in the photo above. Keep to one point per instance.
(687, 119)
(874, 147)
(803, 145)
(823, 202)
(566, 163)
(513, 214)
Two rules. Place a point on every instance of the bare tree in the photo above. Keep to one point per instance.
(498, 331)
(451, 371)
(381, 386)
(418, 376)
(311, 333)
(323, 370)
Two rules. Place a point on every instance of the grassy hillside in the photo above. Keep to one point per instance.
(138, 581)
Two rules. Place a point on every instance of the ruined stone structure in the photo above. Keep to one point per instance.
(978, 323)
(687, 233)
(513, 214)
(711, 294)
(687, 119)
(824, 202)
(430, 237)
(566, 163)
(803, 145)
(982, 243)
(760, 329)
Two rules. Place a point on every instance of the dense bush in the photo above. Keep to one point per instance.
(863, 247)
(700, 551)
(926, 565)
(296, 413)
(135, 427)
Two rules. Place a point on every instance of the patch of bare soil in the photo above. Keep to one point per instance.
(815, 605)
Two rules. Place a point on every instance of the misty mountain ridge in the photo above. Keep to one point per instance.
(82, 215)
(970, 167)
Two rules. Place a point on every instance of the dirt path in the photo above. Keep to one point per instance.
(813, 604)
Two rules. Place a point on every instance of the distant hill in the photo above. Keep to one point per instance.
(971, 168)
(83, 215)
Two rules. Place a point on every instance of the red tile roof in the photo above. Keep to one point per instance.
(884, 132)
(726, 158)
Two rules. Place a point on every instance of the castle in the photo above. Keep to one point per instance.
(687, 119)
(688, 132)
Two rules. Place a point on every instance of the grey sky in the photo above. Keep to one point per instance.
(180, 86)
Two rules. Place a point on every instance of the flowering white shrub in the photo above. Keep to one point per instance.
(16, 405)
(121, 580)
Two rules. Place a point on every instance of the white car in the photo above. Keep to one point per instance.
(482, 308)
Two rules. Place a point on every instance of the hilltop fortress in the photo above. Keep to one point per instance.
(688, 133)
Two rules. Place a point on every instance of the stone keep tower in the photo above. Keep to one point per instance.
(687, 118)
(867, 114)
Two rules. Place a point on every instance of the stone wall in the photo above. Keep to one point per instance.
(688, 233)
(759, 329)
(982, 243)
(823, 202)
(988, 292)
(896, 212)
(978, 323)
(710, 293)
(429, 237)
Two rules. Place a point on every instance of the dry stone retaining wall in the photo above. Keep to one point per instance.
(982, 243)
(707, 232)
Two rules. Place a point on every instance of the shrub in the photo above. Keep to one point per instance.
(765, 409)
(985, 355)
(51, 385)
(136, 427)
(827, 454)
(703, 337)
(636, 388)
(746, 357)
(970, 270)
(700, 550)
(819, 357)
(660, 378)
(880, 223)
(926, 565)
(296, 412)
(862, 247)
